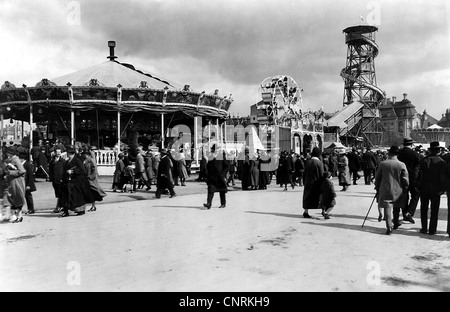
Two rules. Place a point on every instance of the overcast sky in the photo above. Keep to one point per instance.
(234, 45)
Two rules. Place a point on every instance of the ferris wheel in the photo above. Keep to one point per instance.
(281, 98)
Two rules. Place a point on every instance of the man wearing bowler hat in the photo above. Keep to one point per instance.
(412, 160)
(432, 184)
(391, 180)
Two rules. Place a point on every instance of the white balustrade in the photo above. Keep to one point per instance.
(105, 157)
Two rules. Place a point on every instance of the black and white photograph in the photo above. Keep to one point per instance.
(225, 151)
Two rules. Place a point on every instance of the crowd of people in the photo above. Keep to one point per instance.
(74, 179)
(401, 177)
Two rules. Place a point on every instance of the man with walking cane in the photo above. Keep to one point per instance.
(391, 183)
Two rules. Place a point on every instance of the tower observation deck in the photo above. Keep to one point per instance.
(359, 72)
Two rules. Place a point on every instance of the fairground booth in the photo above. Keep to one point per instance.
(112, 105)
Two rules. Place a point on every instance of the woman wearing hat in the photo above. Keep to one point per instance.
(30, 186)
(15, 175)
(432, 184)
(344, 171)
(75, 190)
(313, 178)
(92, 176)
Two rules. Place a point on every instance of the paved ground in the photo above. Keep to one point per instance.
(260, 242)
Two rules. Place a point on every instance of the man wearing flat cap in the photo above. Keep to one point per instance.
(411, 159)
(432, 184)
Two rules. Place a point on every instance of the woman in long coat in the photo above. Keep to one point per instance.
(92, 176)
(75, 190)
(15, 175)
(313, 177)
(344, 172)
(245, 171)
(164, 179)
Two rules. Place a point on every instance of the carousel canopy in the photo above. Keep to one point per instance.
(113, 73)
(109, 86)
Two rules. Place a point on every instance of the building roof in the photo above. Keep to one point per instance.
(361, 29)
(403, 104)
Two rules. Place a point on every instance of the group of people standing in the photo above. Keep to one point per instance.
(146, 168)
(402, 177)
(74, 179)
(409, 176)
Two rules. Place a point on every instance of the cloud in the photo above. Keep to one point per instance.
(231, 45)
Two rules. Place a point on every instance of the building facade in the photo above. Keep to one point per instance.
(398, 120)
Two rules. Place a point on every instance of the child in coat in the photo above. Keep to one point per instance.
(328, 195)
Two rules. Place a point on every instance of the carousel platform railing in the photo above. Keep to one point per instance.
(106, 162)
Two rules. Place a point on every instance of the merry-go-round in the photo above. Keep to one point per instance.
(112, 105)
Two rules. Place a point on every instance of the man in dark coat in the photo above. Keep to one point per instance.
(56, 172)
(285, 169)
(313, 177)
(412, 160)
(446, 158)
(353, 164)
(432, 179)
(164, 179)
(216, 177)
(299, 166)
(30, 186)
(369, 164)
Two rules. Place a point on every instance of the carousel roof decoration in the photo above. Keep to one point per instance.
(111, 86)
(7, 85)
